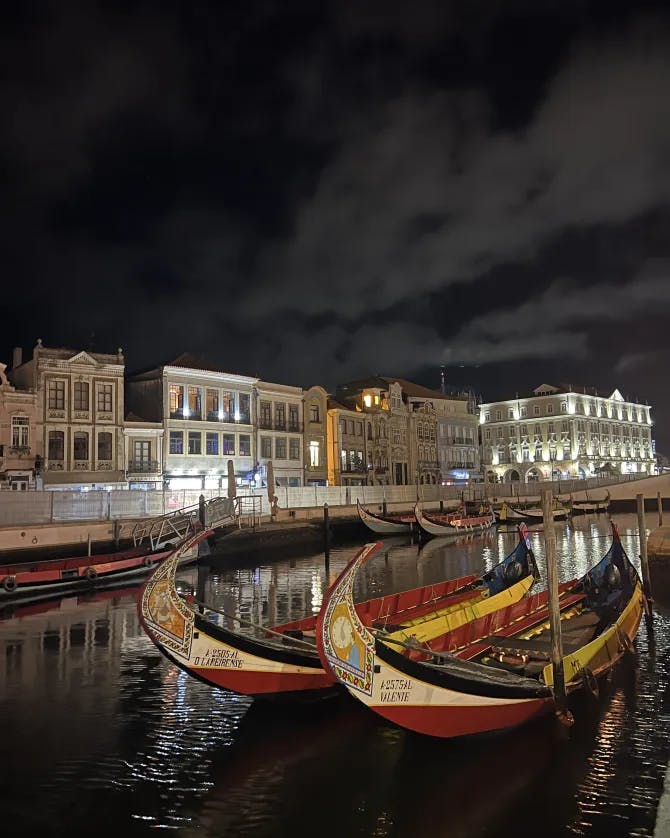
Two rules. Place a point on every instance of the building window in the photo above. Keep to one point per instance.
(176, 402)
(294, 449)
(20, 432)
(142, 454)
(227, 406)
(266, 447)
(314, 453)
(81, 446)
(245, 445)
(212, 443)
(194, 442)
(265, 415)
(487, 433)
(245, 410)
(212, 405)
(81, 395)
(536, 410)
(524, 411)
(498, 415)
(314, 412)
(57, 395)
(280, 417)
(293, 418)
(195, 403)
(510, 413)
(550, 408)
(487, 416)
(564, 407)
(56, 445)
(280, 448)
(176, 442)
(229, 444)
(105, 398)
(105, 446)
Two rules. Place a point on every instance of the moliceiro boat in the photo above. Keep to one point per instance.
(385, 524)
(491, 673)
(589, 506)
(283, 661)
(531, 514)
(453, 523)
(37, 580)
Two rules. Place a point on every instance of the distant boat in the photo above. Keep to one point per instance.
(453, 523)
(589, 506)
(531, 514)
(385, 524)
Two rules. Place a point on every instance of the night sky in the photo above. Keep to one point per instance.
(314, 191)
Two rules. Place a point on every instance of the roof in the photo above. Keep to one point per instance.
(381, 382)
(191, 361)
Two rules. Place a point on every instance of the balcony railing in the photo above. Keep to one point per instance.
(280, 425)
(142, 466)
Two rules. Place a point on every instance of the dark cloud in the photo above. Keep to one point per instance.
(312, 192)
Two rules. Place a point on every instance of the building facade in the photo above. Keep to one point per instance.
(207, 419)
(21, 443)
(144, 447)
(562, 432)
(80, 405)
(349, 438)
(418, 435)
(315, 452)
(280, 439)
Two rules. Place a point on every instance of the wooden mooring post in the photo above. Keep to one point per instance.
(560, 697)
(644, 562)
(326, 532)
(659, 505)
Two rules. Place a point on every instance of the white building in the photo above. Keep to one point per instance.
(565, 432)
(206, 415)
(279, 420)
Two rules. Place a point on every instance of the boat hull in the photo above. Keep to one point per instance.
(453, 526)
(383, 525)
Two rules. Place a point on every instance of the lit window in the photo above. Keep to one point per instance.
(176, 402)
(229, 443)
(211, 443)
(266, 447)
(314, 453)
(314, 412)
(280, 447)
(245, 445)
(212, 404)
(195, 403)
(294, 449)
(367, 400)
(176, 442)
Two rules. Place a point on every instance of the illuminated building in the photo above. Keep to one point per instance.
(565, 432)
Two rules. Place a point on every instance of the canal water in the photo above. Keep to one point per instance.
(100, 734)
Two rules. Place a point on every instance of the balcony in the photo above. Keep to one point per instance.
(142, 467)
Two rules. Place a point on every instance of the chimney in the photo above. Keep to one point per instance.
(17, 357)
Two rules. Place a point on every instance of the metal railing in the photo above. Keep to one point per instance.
(142, 467)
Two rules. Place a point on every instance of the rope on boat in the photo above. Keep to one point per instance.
(257, 626)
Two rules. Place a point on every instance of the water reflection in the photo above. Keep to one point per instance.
(100, 729)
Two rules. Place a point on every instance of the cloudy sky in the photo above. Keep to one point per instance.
(312, 192)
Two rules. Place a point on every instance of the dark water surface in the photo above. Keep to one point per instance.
(101, 735)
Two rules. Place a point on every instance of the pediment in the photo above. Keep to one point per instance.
(545, 388)
(83, 358)
(617, 397)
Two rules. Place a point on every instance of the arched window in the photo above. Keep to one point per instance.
(81, 445)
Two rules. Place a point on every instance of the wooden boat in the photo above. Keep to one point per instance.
(589, 506)
(489, 674)
(385, 524)
(283, 661)
(453, 524)
(530, 514)
(37, 580)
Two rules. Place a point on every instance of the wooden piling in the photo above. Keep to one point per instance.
(326, 531)
(644, 563)
(659, 505)
(554, 610)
